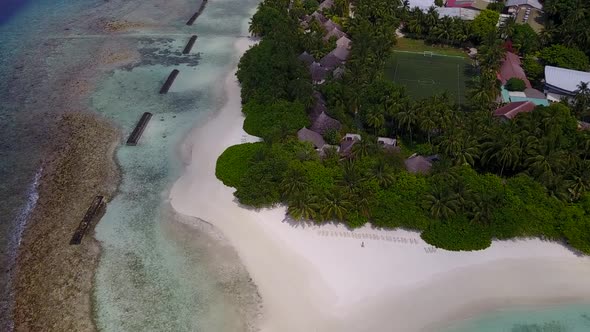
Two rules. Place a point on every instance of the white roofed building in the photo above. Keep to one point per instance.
(466, 14)
(562, 83)
(527, 3)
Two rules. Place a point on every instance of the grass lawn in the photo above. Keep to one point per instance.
(416, 45)
(424, 76)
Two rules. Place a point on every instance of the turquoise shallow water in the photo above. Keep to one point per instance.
(563, 318)
(145, 280)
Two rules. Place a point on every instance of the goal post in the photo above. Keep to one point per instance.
(428, 53)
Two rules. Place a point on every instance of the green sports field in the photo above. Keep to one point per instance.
(424, 75)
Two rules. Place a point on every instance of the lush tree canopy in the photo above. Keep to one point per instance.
(568, 23)
(565, 57)
(515, 84)
(496, 179)
(485, 23)
(524, 39)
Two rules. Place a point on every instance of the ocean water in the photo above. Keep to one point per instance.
(24, 92)
(563, 318)
(151, 277)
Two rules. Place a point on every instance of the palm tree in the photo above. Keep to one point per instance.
(375, 119)
(503, 150)
(545, 163)
(303, 207)
(382, 173)
(407, 119)
(483, 207)
(442, 203)
(427, 125)
(363, 148)
(468, 152)
(351, 176)
(582, 100)
(463, 192)
(431, 17)
(335, 206)
(294, 183)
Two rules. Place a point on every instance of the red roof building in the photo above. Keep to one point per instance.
(473, 4)
(511, 68)
(510, 111)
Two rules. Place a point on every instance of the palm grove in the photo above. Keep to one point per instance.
(495, 180)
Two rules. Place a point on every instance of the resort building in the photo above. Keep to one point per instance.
(466, 14)
(418, 164)
(347, 143)
(326, 4)
(331, 61)
(306, 135)
(478, 5)
(318, 73)
(511, 68)
(306, 58)
(343, 42)
(562, 83)
(511, 110)
(386, 141)
(338, 73)
(334, 33)
(318, 17)
(321, 122)
(329, 25)
(527, 12)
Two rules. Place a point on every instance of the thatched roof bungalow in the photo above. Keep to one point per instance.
(341, 53)
(306, 135)
(330, 61)
(418, 164)
(343, 42)
(329, 25)
(386, 141)
(318, 17)
(336, 33)
(306, 58)
(326, 4)
(321, 122)
(347, 144)
(318, 73)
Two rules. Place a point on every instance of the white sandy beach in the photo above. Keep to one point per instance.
(319, 278)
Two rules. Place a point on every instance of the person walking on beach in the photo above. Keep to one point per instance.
(363, 244)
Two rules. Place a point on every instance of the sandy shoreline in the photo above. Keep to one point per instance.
(318, 278)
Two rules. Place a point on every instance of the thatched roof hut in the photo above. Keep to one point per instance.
(318, 73)
(329, 25)
(318, 17)
(343, 42)
(338, 73)
(321, 122)
(335, 32)
(306, 135)
(326, 4)
(418, 164)
(306, 58)
(330, 61)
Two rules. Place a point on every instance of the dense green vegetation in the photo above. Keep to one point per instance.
(515, 84)
(568, 23)
(233, 163)
(495, 180)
